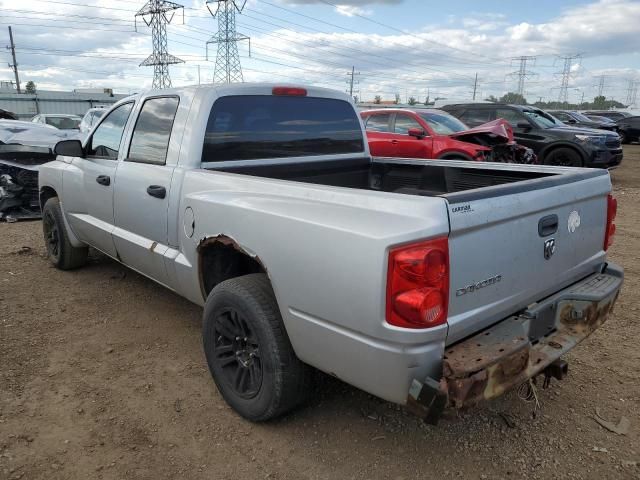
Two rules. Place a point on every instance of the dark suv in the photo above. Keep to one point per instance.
(554, 142)
(577, 119)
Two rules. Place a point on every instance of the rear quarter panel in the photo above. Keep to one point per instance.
(325, 252)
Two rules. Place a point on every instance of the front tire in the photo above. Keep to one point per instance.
(59, 249)
(564, 157)
(248, 351)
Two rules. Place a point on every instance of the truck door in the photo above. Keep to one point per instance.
(141, 197)
(407, 146)
(87, 192)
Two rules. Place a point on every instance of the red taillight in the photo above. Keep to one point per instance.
(610, 231)
(289, 91)
(418, 284)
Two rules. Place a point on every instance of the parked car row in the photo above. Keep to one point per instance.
(496, 132)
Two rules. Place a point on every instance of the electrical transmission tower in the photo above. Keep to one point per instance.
(160, 59)
(522, 72)
(563, 96)
(228, 68)
(601, 84)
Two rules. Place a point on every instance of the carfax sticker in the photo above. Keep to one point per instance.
(465, 208)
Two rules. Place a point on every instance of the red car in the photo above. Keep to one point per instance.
(434, 134)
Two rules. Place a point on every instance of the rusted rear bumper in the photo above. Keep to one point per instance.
(520, 347)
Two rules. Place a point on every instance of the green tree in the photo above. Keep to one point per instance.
(30, 87)
(412, 101)
(514, 98)
(377, 99)
(491, 98)
(356, 99)
(397, 100)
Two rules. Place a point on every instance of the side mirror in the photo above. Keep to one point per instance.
(572, 121)
(69, 148)
(523, 126)
(416, 132)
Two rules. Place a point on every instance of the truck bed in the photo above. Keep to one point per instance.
(457, 181)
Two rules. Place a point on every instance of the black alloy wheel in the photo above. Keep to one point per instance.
(51, 235)
(237, 353)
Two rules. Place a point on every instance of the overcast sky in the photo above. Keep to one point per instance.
(409, 47)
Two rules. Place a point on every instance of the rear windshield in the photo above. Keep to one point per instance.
(249, 127)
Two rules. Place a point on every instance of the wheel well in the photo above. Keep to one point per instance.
(221, 258)
(552, 149)
(45, 194)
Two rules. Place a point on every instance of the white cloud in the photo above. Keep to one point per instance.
(351, 10)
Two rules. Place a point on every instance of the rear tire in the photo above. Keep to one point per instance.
(624, 139)
(59, 249)
(564, 157)
(248, 351)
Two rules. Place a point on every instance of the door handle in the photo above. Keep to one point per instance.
(157, 191)
(394, 142)
(104, 180)
(548, 225)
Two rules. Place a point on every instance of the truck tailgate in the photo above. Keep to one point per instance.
(516, 244)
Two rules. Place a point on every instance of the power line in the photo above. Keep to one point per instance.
(390, 27)
(160, 59)
(228, 68)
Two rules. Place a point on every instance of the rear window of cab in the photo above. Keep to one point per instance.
(251, 127)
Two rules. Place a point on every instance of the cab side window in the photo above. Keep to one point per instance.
(404, 123)
(105, 141)
(476, 116)
(512, 116)
(563, 117)
(378, 123)
(151, 135)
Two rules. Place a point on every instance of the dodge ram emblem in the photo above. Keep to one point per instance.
(549, 248)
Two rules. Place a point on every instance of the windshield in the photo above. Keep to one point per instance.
(64, 123)
(580, 116)
(542, 119)
(442, 123)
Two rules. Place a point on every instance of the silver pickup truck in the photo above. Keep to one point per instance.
(426, 283)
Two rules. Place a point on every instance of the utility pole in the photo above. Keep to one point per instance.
(632, 92)
(160, 59)
(563, 96)
(475, 86)
(228, 68)
(522, 72)
(352, 80)
(14, 67)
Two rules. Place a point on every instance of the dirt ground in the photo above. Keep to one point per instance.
(102, 375)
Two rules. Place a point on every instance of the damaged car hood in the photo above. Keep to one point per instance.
(33, 134)
(499, 131)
